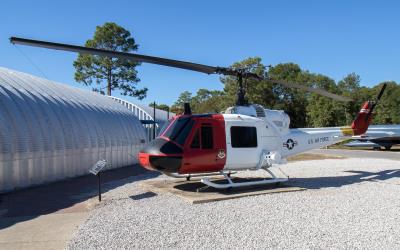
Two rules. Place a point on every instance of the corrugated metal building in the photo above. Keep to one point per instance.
(50, 131)
(146, 113)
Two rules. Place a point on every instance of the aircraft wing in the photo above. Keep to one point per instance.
(377, 136)
(358, 143)
(380, 132)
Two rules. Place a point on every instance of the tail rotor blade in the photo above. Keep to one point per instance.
(376, 101)
(381, 92)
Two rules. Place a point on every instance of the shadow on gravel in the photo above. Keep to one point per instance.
(63, 196)
(197, 186)
(142, 196)
(339, 181)
(307, 183)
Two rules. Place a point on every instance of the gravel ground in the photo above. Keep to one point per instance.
(350, 203)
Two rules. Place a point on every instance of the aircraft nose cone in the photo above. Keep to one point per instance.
(162, 155)
(144, 160)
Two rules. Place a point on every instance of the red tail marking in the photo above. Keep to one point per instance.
(360, 124)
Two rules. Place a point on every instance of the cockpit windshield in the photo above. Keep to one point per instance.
(165, 126)
(178, 129)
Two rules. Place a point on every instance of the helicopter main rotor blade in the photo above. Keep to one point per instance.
(312, 90)
(123, 55)
(167, 62)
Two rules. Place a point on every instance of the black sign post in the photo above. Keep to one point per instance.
(154, 119)
(96, 170)
(98, 179)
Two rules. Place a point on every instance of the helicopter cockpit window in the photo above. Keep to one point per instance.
(243, 137)
(203, 138)
(179, 130)
(165, 126)
(196, 140)
(176, 126)
(181, 137)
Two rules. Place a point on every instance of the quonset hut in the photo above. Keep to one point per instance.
(147, 113)
(50, 131)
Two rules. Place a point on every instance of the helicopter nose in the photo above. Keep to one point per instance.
(161, 155)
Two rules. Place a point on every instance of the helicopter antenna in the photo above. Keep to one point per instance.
(239, 73)
(187, 109)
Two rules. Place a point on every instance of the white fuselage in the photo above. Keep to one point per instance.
(274, 139)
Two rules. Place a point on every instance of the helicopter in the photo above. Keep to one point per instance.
(244, 137)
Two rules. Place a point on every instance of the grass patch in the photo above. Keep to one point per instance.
(309, 157)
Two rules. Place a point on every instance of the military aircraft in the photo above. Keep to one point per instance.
(245, 137)
(378, 136)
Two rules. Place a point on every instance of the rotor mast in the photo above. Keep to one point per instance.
(241, 94)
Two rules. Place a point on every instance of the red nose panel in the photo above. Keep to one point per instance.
(162, 155)
(144, 160)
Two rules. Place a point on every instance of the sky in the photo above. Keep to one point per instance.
(333, 38)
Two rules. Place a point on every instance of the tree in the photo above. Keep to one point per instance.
(387, 111)
(205, 101)
(292, 101)
(349, 86)
(259, 92)
(323, 111)
(115, 72)
(177, 107)
(273, 96)
(164, 107)
(209, 101)
(305, 109)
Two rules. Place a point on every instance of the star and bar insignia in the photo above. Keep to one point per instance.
(289, 144)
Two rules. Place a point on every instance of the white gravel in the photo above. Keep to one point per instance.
(350, 203)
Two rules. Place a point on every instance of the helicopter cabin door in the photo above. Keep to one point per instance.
(243, 145)
(205, 148)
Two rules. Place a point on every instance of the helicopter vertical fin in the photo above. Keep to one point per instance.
(364, 117)
(360, 125)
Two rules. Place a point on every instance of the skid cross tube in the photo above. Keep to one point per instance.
(232, 184)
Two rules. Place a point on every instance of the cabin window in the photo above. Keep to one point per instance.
(243, 137)
(203, 138)
(206, 137)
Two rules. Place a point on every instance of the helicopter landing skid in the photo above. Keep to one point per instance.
(232, 184)
(189, 176)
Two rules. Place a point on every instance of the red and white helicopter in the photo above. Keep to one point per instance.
(244, 137)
